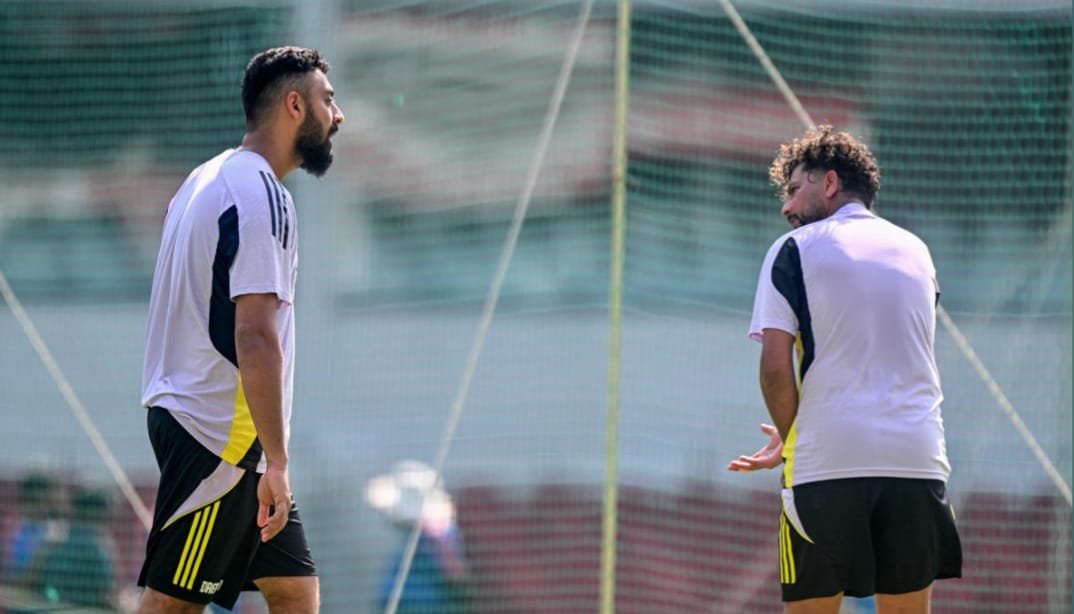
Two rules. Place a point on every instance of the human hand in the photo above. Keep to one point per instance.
(274, 501)
(768, 457)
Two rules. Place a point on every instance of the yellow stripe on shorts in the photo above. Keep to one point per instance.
(782, 550)
(787, 572)
(186, 548)
(194, 550)
(204, 543)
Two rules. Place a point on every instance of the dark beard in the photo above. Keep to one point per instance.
(314, 151)
(802, 220)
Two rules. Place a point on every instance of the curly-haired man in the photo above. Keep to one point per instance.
(219, 357)
(857, 427)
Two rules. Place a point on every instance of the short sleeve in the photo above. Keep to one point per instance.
(771, 309)
(267, 236)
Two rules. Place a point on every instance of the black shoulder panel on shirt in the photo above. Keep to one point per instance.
(221, 307)
(787, 277)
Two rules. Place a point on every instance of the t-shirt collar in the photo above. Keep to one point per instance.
(853, 208)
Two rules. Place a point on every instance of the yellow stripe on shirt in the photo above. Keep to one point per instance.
(792, 435)
(243, 432)
(788, 455)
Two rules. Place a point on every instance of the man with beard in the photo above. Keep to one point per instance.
(857, 427)
(219, 357)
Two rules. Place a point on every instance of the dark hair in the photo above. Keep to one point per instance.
(270, 71)
(825, 148)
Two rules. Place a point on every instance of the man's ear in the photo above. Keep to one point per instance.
(293, 103)
(832, 184)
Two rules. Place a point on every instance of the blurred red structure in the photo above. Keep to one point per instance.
(710, 548)
(700, 548)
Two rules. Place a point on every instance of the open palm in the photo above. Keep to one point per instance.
(768, 457)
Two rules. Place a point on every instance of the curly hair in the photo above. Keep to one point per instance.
(270, 72)
(826, 148)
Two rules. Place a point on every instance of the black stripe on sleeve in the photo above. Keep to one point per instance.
(286, 225)
(286, 214)
(279, 209)
(271, 206)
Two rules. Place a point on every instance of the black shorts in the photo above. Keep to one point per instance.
(205, 544)
(862, 536)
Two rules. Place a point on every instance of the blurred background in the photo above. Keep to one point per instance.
(106, 105)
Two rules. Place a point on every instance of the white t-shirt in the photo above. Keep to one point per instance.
(859, 293)
(230, 230)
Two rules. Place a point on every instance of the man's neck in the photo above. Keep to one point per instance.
(837, 205)
(279, 159)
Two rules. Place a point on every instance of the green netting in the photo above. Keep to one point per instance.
(106, 106)
(86, 80)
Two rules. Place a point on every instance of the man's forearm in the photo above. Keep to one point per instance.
(779, 386)
(260, 360)
(780, 392)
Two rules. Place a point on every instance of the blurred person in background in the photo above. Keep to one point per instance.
(40, 522)
(219, 359)
(858, 426)
(438, 578)
(80, 568)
